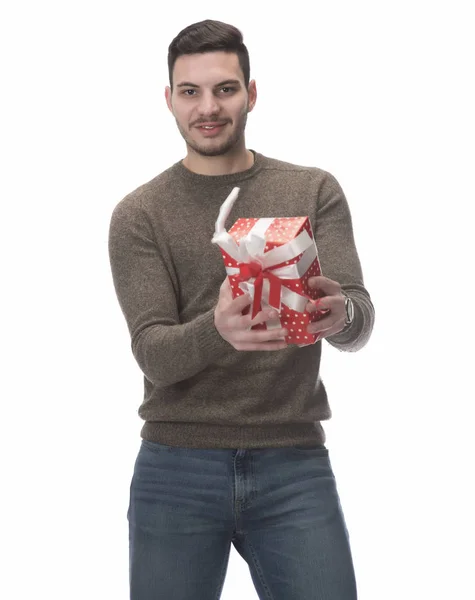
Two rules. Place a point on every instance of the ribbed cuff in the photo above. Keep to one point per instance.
(209, 339)
(211, 435)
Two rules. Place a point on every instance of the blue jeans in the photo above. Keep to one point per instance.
(279, 507)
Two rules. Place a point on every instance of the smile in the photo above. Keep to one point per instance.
(211, 129)
(211, 125)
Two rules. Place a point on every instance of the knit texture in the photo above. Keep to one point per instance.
(199, 391)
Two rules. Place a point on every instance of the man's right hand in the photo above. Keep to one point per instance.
(234, 327)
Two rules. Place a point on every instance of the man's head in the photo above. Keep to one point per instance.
(210, 93)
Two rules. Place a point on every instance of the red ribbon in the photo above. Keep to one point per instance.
(254, 269)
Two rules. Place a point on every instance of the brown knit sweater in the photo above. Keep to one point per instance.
(198, 390)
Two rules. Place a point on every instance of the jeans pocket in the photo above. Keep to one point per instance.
(315, 450)
(155, 447)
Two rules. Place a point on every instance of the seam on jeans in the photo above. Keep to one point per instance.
(259, 571)
(223, 573)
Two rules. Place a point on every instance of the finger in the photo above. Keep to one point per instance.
(324, 325)
(260, 336)
(324, 284)
(226, 285)
(263, 316)
(239, 303)
(266, 346)
(326, 304)
(329, 332)
(225, 292)
(320, 304)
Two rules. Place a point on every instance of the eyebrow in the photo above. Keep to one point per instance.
(221, 83)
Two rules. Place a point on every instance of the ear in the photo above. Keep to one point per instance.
(168, 98)
(252, 92)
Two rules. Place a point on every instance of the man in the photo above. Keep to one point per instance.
(233, 447)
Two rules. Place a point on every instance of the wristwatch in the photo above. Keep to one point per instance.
(349, 308)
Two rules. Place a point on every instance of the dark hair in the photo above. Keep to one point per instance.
(209, 36)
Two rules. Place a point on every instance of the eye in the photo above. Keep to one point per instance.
(227, 89)
(189, 92)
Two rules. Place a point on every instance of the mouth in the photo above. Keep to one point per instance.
(211, 129)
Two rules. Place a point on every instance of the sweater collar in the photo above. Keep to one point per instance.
(197, 178)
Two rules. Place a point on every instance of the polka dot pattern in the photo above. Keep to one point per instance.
(281, 231)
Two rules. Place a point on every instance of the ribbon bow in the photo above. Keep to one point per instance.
(254, 270)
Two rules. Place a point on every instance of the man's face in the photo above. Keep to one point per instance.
(210, 102)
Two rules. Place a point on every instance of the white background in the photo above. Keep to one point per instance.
(378, 93)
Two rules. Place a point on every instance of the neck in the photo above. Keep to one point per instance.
(231, 162)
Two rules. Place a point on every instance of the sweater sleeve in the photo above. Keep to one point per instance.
(166, 350)
(339, 261)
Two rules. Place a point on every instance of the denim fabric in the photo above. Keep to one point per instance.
(279, 507)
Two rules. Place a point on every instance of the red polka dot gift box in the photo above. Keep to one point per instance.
(272, 260)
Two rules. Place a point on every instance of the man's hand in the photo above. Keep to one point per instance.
(233, 326)
(333, 300)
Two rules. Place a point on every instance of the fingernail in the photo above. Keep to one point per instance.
(273, 314)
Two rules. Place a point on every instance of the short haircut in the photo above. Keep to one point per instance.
(209, 36)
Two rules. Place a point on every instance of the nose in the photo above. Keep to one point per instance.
(208, 104)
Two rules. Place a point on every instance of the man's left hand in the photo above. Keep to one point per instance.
(333, 301)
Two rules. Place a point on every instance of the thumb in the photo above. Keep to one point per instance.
(326, 286)
(225, 285)
(240, 303)
(237, 304)
(317, 283)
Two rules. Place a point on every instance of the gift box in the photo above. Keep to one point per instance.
(272, 260)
